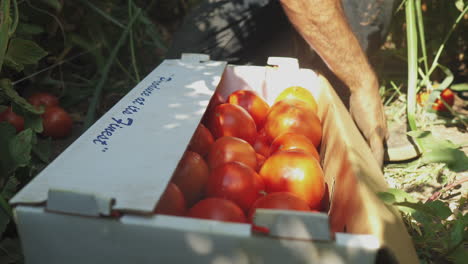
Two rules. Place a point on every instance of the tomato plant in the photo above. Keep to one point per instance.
(293, 116)
(236, 182)
(11, 117)
(279, 200)
(297, 172)
(217, 209)
(201, 140)
(233, 120)
(227, 149)
(293, 141)
(191, 176)
(57, 122)
(43, 99)
(172, 202)
(253, 103)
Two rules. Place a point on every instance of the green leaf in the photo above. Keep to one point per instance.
(10, 188)
(32, 121)
(399, 198)
(7, 133)
(7, 91)
(43, 149)
(55, 4)
(22, 51)
(460, 87)
(460, 5)
(440, 208)
(13, 65)
(459, 255)
(21, 146)
(457, 232)
(29, 29)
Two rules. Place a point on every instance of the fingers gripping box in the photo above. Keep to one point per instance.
(124, 162)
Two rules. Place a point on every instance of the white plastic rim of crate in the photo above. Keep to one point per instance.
(294, 224)
(284, 63)
(357, 240)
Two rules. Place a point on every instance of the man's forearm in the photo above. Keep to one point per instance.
(323, 25)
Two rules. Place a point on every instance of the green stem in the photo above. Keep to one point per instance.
(15, 22)
(102, 13)
(4, 29)
(132, 45)
(91, 115)
(412, 41)
(422, 38)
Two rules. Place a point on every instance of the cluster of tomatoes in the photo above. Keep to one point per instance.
(247, 155)
(447, 95)
(56, 122)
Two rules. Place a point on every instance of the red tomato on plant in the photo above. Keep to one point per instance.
(56, 122)
(191, 176)
(234, 121)
(217, 209)
(297, 172)
(45, 99)
(172, 202)
(448, 97)
(293, 116)
(228, 149)
(293, 141)
(253, 103)
(11, 117)
(236, 182)
(201, 141)
(279, 200)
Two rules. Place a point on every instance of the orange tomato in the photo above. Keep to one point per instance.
(216, 100)
(299, 93)
(236, 182)
(201, 140)
(233, 120)
(292, 141)
(448, 97)
(293, 116)
(172, 202)
(227, 149)
(191, 176)
(297, 172)
(217, 209)
(253, 103)
(260, 160)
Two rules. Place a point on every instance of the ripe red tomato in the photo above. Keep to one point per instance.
(293, 116)
(236, 182)
(11, 117)
(448, 96)
(216, 100)
(297, 172)
(233, 120)
(299, 93)
(191, 176)
(217, 209)
(201, 141)
(279, 200)
(57, 122)
(293, 141)
(172, 202)
(261, 144)
(227, 149)
(45, 99)
(253, 103)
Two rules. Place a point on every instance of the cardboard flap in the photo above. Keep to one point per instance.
(130, 153)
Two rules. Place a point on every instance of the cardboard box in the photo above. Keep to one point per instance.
(126, 159)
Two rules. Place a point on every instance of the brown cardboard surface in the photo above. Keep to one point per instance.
(354, 178)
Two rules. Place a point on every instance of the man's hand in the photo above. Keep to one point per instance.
(322, 23)
(367, 111)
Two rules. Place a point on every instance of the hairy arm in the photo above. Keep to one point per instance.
(322, 23)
